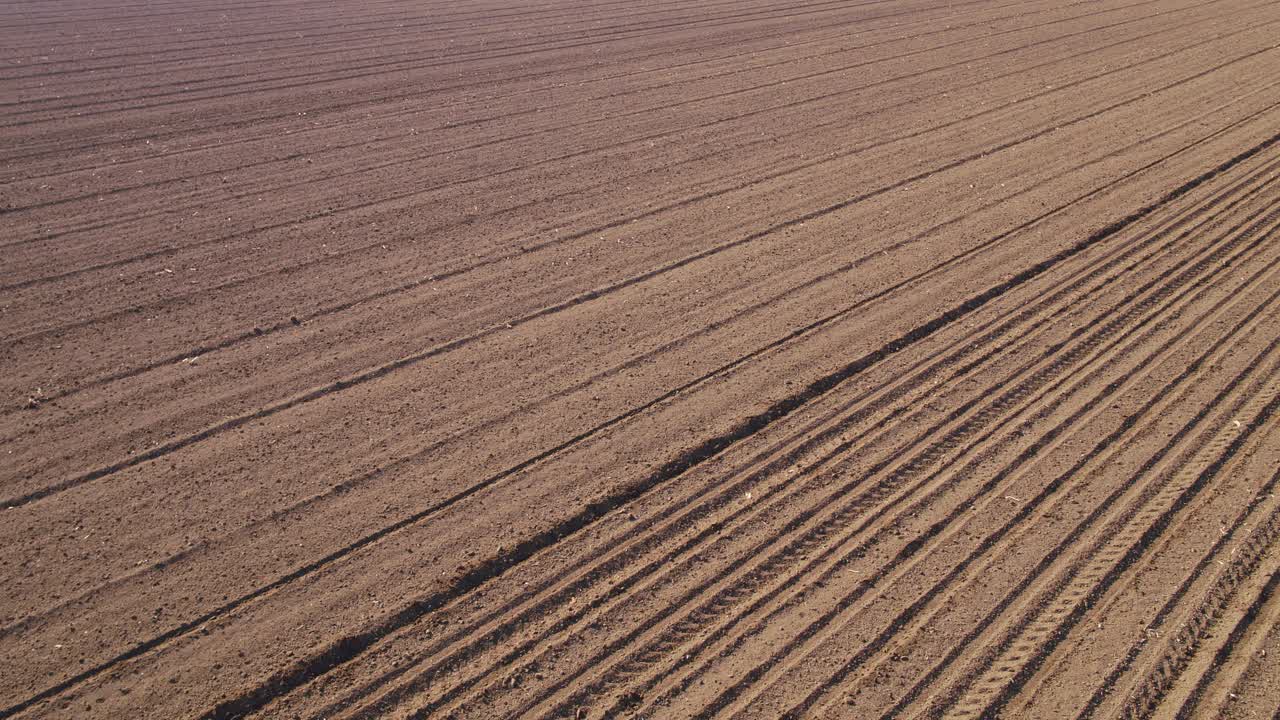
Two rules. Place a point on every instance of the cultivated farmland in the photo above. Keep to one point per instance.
(608, 359)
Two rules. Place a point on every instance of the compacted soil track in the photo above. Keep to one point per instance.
(604, 359)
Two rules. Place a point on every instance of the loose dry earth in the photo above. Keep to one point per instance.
(598, 358)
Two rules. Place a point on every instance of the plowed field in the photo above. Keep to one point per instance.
(606, 359)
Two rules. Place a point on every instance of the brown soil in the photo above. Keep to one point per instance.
(823, 358)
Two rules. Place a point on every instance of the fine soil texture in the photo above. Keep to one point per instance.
(615, 359)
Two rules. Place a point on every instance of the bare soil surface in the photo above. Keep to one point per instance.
(603, 359)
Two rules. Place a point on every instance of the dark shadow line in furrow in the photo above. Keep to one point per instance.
(731, 693)
(585, 297)
(349, 647)
(501, 634)
(1130, 421)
